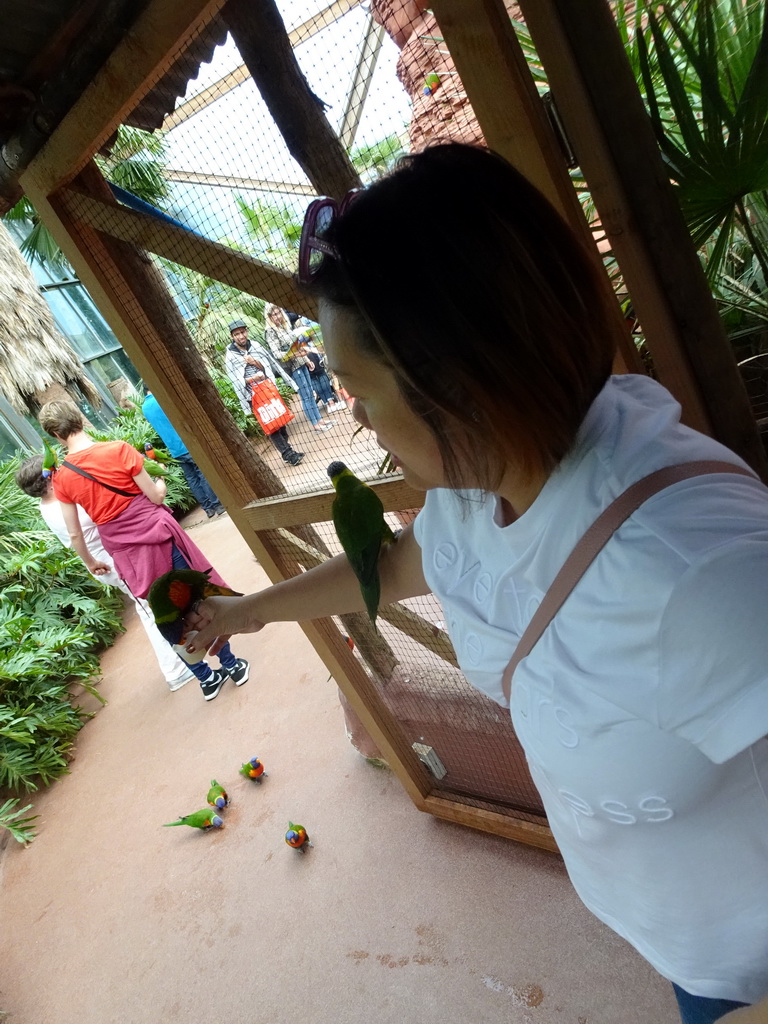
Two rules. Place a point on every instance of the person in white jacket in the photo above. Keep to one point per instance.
(31, 480)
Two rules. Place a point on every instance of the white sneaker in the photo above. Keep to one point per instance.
(337, 406)
(179, 681)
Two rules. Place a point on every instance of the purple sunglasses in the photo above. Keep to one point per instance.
(313, 247)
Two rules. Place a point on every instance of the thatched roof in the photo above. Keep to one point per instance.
(33, 353)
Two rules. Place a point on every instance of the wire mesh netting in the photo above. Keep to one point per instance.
(322, 102)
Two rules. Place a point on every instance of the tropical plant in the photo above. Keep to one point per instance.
(10, 818)
(376, 158)
(704, 69)
(274, 230)
(54, 618)
(136, 163)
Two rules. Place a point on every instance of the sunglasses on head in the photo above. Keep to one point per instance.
(314, 246)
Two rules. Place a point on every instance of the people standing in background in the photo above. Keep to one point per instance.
(30, 479)
(321, 382)
(108, 479)
(245, 361)
(196, 482)
(285, 347)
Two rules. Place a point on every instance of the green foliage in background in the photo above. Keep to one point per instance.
(54, 619)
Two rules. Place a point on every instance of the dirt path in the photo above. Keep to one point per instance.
(392, 918)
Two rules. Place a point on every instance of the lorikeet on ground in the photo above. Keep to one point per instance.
(297, 837)
(217, 795)
(204, 819)
(253, 769)
(50, 460)
(358, 517)
(172, 595)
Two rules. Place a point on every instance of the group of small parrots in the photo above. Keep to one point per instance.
(358, 518)
(218, 798)
(206, 818)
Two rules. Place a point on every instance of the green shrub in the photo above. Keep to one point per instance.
(54, 619)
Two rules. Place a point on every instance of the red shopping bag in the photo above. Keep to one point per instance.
(268, 407)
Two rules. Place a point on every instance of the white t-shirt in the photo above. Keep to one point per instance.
(54, 520)
(642, 709)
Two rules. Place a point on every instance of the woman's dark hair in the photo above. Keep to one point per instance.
(479, 297)
(29, 477)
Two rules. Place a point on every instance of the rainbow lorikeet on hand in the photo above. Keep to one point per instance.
(217, 795)
(204, 819)
(358, 517)
(154, 468)
(50, 460)
(297, 837)
(149, 451)
(253, 769)
(173, 594)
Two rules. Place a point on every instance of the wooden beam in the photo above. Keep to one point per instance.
(373, 36)
(297, 509)
(159, 34)
(495, 75)
(232, 181)
(213, 259)
(260, 35)
(600, 104)
(521, 831)
(226, 83)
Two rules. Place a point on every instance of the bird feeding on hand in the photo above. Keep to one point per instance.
(204, 819)
(173, 595)
(253, 769)
(217, 795)
(358, 518)
(297, 837)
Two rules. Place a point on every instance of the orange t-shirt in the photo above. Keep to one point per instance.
(113, 462)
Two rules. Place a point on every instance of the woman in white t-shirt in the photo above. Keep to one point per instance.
(471, 329)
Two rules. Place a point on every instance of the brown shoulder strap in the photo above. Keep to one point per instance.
(595, 539)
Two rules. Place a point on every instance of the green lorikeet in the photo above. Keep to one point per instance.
(358, 517)
(50, 460)
(154, 468)
(297, 837)
(204, 819)
(217, 795)
(172, 595)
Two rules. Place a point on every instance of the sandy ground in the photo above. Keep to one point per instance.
(392, 917)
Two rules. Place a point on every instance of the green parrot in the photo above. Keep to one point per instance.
(50, 460)
(217, 795)
(154, 468)
(358, 516)
(204, 819)
(172, 595)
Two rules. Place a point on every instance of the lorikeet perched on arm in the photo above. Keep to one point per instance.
(172, 595)
(204, 819)
(358, 517)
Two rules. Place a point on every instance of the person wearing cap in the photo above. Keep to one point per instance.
(244, 361)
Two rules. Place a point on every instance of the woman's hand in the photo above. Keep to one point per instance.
(215, 620)
(99, 568)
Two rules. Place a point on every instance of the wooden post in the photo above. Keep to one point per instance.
(607, 125)
(260, 35)
(495, 75)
